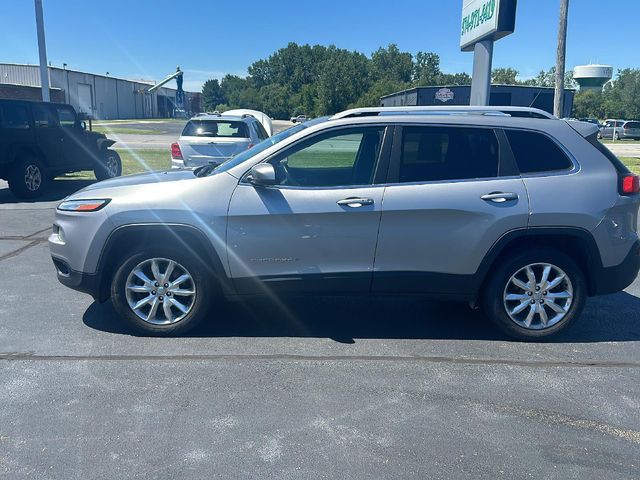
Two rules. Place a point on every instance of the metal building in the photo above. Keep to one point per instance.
(101, 96)
(501, 95)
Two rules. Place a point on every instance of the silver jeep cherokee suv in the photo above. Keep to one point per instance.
(507, 208)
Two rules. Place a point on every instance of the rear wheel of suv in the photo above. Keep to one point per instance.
(110, 167)
(27, 177)
(535, 294)
(161, 291)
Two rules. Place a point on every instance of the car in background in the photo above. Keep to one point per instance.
(620, 129)
(299, 119)
(40, 141)
(262, 117)
(214, 139)
(595, 121)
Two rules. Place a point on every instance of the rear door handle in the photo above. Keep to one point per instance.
(499, 197)
(355, 202)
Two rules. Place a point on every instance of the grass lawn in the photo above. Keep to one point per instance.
(139, 120)
(632, 163)
(121, 130)
(135, 161)
(627, 140)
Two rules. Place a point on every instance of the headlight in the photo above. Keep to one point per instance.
(88, 205)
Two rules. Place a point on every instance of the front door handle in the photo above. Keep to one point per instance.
(355, 202)
(499, 197)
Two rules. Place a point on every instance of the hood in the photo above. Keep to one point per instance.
(142, 179)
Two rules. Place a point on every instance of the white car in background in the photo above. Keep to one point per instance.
(262, 117)
(214, 139)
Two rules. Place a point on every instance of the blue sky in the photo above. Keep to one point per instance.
(207, 38)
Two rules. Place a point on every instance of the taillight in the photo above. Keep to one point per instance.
(630, 184)
(176, 152)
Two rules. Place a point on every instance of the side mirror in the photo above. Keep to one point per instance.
(262, 174)
(83, 125)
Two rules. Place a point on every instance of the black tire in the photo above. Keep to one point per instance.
(493, 302)
(28, 178)
(110, 165)
(205, 291)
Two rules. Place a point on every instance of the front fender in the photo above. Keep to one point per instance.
(104, 143)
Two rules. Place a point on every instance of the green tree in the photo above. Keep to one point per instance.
(453, 79)
(588, 104)
(344, 76)
(233, 89)
(504, 76)
(275, 100)
(622, 96)
(391, 64)
(371, 98)
(426, 69)
(212, 94)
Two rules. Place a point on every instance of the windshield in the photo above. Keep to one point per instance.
(262, 146)
(215, 128)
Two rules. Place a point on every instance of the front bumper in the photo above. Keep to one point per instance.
(617, 278)
(82, 282)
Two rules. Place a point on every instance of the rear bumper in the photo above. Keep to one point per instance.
(619, 277)
(82, 282)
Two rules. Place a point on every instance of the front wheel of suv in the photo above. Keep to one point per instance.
(535, 294)
(110, 166)
(162, 292)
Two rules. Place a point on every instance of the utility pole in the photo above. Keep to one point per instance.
(558, 99)
(42, 50)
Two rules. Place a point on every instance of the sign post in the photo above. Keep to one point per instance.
(42, 50)
(484, 22)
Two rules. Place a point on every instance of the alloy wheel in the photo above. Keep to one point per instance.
(538, 296)
(112, 166)
(32, 177)
(160, 291)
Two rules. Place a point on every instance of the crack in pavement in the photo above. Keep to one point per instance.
(29, 356)
(25, 237)
(17, 252)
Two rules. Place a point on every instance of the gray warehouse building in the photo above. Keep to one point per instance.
(100, 96)
(500, 95)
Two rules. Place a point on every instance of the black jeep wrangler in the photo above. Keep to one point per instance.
(39, 141)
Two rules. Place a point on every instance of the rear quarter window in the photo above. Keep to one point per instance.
(15, 116)
(536, 153)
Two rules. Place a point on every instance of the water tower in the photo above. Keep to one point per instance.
(592, 77)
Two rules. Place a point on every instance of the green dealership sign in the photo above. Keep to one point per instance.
(486, 19)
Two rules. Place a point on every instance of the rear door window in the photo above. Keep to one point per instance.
(536, 153)
(43, 116)
(15, 116)
(448, 153)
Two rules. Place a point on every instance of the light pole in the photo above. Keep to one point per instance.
(558, 99)
(42, 50)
